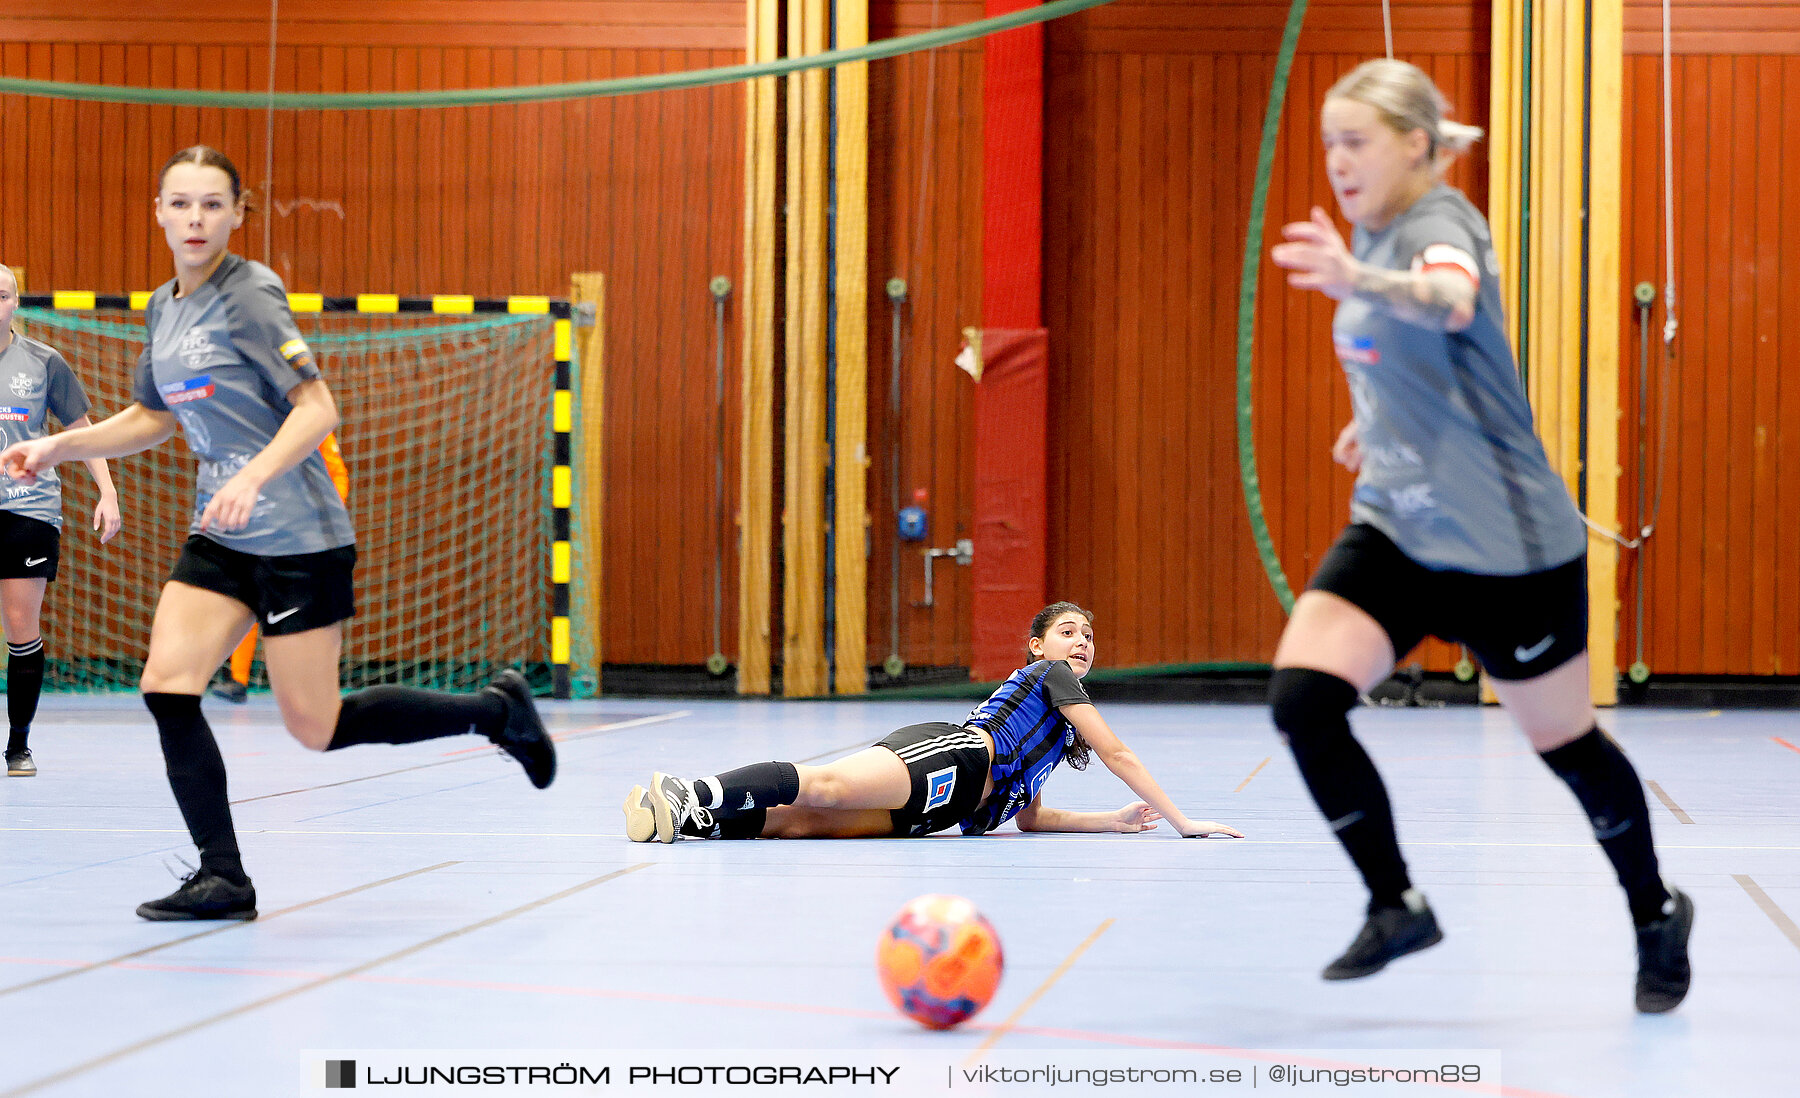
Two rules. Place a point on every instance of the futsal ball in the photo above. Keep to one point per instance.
(939, 961)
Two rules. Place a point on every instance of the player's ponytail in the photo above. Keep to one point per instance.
(14, 275)
(1407, 100)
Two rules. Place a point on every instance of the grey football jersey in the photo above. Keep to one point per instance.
(1453, 470)
(223, 360)
(34, 380)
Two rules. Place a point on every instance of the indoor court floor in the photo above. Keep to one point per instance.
(427, 898)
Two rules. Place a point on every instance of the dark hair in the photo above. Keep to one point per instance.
(207, 157)
(1077, 753)
(1040, 625)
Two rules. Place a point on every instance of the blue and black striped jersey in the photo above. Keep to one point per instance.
(1030, 737)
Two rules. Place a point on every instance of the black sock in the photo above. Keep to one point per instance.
(406, 714)
(1607, 786)
(24, 683)
(197, 777)
(748, 788)
(1311, 709)
(746, 826)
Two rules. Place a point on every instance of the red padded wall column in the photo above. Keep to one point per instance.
(1010, 567)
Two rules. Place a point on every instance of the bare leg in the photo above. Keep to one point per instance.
(21, 604)
(872, 778)
(799, 822)
(189, 637)
(1332, 634)
(303, 673)
(1552, 709)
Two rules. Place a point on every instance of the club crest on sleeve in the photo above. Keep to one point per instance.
(939, 785)
(296, 352)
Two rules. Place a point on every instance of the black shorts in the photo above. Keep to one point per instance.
(949, 767)
(1519, 627)
(29, 548)
(287, 594)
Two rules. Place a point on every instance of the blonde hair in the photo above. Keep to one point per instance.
(1407, 100)
(14, 275)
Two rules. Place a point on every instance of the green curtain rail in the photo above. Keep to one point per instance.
(539, 93)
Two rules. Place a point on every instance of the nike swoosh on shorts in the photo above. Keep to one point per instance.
(1526, 655)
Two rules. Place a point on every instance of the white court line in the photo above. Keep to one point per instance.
(464, 755)
(952, 838)
(1670, 718)
(637, 722)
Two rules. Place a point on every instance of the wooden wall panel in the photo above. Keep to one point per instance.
(1155, 109)
(1721, 577)
(477, 200)
(1155, 117)
(924, 226)
(1714, 27)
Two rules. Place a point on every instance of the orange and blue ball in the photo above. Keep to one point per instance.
(940, 961)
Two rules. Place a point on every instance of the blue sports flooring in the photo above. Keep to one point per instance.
(426, 898)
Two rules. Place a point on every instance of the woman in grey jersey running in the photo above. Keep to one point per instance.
(38, 382)
(269, 539)
(1459, 527)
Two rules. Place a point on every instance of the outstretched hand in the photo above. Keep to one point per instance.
(1201, 829)
(1136, 816)
(1316, 253)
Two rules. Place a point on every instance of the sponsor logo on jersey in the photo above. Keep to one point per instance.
(1410, 499)
(18, 493)
(19, 415)
(1359, 351)
(194, 388)
(297, 352)
(23, 385)
(939, 784)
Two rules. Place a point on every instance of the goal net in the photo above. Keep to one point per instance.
(447, 435)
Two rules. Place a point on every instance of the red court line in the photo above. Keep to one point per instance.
(1785, 744)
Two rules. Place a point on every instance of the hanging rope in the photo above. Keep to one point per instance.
(269, 139)
(1668, 136)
